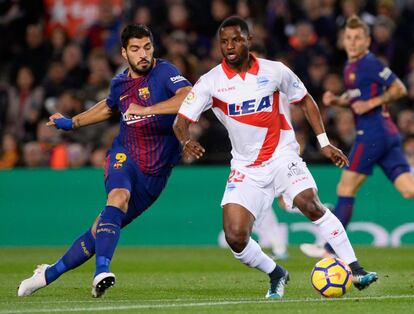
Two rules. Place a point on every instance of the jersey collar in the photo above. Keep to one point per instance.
(230, 73)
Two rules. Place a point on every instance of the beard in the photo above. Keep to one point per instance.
(141, 71)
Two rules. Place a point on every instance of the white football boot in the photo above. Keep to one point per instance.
(30, 285)
(102, 282)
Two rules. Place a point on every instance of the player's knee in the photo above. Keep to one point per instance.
(344, 189)
(408, 194)
(119, 198)
(237, 238)
(312, 209)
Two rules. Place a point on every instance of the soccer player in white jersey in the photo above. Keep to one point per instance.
(243, 93)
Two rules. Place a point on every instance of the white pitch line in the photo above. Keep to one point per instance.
(197, 304)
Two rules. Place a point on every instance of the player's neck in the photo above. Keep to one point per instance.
(244, 67)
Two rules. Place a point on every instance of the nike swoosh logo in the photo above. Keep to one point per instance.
(123, 97)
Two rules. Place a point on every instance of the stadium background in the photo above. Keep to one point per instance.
(59, 55)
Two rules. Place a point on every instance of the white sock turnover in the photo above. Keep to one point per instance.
(334, 233)
(254, 257)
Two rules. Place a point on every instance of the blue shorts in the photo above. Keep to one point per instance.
(121, 172)
(386, 152)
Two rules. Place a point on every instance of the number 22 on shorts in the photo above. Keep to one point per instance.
(235, 176)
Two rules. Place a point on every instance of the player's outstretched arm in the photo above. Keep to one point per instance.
(311, 110)
(169, 106)
(190, 147)
(392, 93)
(98, 113)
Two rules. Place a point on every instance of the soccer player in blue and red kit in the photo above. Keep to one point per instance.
(370, 88)
(138, 164)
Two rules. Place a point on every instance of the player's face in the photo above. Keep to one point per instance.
(140, 55)
(356, 42)
(234, 45)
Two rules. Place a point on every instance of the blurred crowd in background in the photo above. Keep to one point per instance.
(60, 55)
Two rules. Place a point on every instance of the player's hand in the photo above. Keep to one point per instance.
(362, 106)
(135, 109)
(192, 149)
(336, 155)
(329, 98)
(60, 122)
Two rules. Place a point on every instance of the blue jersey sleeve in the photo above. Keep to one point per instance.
(113, 98)
(172, 78)
(380, 73)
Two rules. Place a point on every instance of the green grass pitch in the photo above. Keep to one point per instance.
(202, 280)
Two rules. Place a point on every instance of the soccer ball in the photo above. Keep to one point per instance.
(331, 277)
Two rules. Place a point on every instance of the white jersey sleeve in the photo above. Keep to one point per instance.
(291, 85)
(198, 100)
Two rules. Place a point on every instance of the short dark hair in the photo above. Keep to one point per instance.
(135, 31)
(235, 21)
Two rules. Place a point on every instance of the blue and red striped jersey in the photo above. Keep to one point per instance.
(366, 78)
(149, 140)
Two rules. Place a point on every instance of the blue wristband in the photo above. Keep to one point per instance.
(63, 123)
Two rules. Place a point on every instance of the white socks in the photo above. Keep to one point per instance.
(334, 233)
(253, 256)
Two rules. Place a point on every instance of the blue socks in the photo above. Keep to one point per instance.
(107, 236)
(80, 251)
(344, 208)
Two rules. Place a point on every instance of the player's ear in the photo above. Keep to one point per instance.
(124, 54)
(369, 41)
(249, 40)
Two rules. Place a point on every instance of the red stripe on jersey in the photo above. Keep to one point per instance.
(217, 103)
(299, 100)
(273, 121)
(374, 90)
(357, 157)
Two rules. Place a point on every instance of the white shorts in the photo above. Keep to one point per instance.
(255, 188)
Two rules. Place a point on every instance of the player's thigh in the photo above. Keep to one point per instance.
(364, 155)
(404, 183)
(242, 190)
(237, 220)
(292, 177)
(394, 162)
(119, 171)
(350, 183)
(144, 193)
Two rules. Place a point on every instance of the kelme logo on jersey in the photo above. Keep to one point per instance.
(144, 93)
(249, 106)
